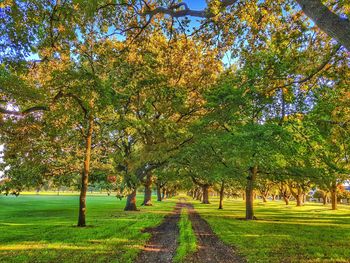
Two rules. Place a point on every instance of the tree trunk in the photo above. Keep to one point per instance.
(286, 200)
(159, 193)
(199, 196)
(273, 197)
(250, 193)
(334, 196)
(222, 189)
(299, 200)
(324, 197)
(298, 195)
(205, 189)
(131, 202)
(147, 200)
(329, 22)
(85, 174)
(264, 199)
(164, 194)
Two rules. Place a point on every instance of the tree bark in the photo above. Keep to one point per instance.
(286, 200)
(159, 193)
(147, 200)
(199, 196)
(298, 195)
(264, 199)
(299, 199)
(194, 193)
(205, 189)
(324, 200)
(250, 193)
(222, 191)
(131, 202)
(85, 174)
(329, 22)
(164, 194)
(334, 196)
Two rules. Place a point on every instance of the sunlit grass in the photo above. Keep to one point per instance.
(43, 229)
(187, 239)
(312, 233)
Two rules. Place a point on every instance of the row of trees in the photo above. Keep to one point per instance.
(128, 97)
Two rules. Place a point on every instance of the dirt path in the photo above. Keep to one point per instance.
(161, 248)
(210, 248)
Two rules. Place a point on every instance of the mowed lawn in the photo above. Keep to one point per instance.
(42, 229)
(312, 233)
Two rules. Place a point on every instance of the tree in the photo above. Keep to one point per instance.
(328, 19)
(73, 88)
(162, 85)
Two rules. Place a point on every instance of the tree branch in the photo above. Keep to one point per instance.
(312, 74)
(175, 11)
(329, 22)
(25, 112)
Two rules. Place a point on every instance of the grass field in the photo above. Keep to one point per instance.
(42, 229)
(312, 233)
(187, 239)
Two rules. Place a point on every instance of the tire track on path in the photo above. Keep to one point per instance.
(161, 247)
(210, 248)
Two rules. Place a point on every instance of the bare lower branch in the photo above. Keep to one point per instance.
(25, 112)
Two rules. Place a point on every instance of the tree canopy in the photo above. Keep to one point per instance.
(139, 94)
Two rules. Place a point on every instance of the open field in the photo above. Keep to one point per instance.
(42, 229)
(312, 233)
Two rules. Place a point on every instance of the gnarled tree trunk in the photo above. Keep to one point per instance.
(205, 189)
(147, 200)
(285, 193)
(299, 199)
(131, 202)
(85, 174)
(286, 199)
(298, 195)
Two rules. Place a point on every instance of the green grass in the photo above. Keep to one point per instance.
(42, 229)
(187, 239)
(312, 233)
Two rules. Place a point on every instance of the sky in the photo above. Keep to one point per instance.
(196, 4)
